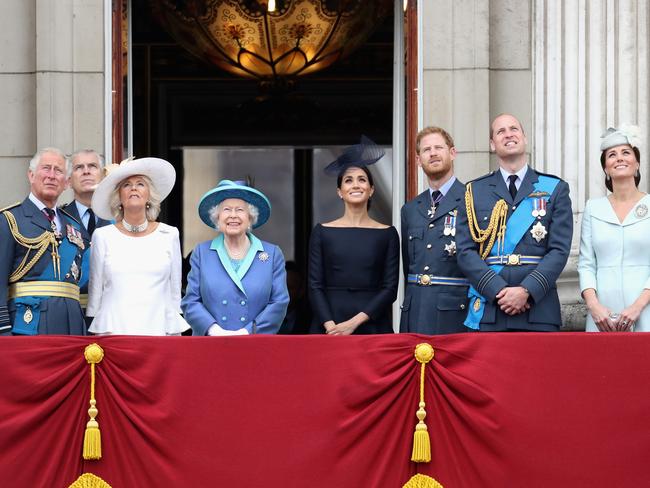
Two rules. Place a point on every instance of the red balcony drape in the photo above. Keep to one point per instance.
(504, 410)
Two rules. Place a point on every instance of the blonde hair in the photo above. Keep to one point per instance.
(152, 209)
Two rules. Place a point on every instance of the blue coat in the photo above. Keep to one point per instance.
(614, 257)
(539, 279)
(436, 309)
(257, 294)
(55, 315)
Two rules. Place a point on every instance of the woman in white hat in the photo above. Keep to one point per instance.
(614, 264)
(237, 284)
(135, 264)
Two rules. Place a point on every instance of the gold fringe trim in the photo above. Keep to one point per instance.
(421, 442)
(422, 481)
(92, 437)
(89, 480)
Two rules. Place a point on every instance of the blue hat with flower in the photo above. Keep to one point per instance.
(234, 189)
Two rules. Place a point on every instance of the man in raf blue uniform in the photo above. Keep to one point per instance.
(435, 300)
(41, 250)
(514, 238)
(84, 174)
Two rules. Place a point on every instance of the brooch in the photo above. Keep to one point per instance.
(538, 231)
(263, 256)
(641, 210)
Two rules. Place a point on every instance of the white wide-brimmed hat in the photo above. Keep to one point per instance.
(161, 173)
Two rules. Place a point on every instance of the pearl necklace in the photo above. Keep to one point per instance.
(236, 255)
(135, 229)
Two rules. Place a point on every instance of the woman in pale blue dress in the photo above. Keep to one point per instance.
(614, 264)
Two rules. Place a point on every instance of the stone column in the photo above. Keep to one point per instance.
(591, 72)
(51, 73)
(18, 82)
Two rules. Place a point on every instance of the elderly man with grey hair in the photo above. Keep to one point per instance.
(85, 171)
(41, 251)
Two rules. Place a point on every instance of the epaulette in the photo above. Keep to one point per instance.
(67, 214)
(9, 207)
(487, 175)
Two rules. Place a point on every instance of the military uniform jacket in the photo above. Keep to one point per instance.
(71, 208)
(428, 249)
(56, 315)
(539, 279)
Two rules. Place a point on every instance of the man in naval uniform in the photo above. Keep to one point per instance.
(514, 237)
(84, 174)
(435, 300)
(41, 250)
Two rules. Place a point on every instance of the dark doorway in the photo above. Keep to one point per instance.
(182, 103)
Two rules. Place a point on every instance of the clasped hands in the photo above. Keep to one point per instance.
(513, 300)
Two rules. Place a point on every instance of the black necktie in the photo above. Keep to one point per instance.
(511, 187)
(91, 221)
(436, 196)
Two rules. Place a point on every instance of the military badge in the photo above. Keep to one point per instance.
(74, 269)
(75, 237)
(538, 231)
(538, 194)
(450, 248)
(641, 210)
(450, 225)
(263, 256)
(431, 212)
(477, 304)
(28, 316)
(539, 208)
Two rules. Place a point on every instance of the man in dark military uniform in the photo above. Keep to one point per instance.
(435, 300)
(514, 238)
(85, 173)
(41, 250)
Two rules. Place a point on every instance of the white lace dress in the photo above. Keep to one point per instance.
(135, 282)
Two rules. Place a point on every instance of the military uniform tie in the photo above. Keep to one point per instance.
(512, 187)
(91, 221)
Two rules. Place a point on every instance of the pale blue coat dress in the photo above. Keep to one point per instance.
(615, 257)
(254, 296)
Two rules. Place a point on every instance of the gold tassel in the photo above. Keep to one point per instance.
(422, 481)
(89, 480)
(92, 437)
(421, 442)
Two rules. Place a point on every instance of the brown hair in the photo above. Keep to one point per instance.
(608, 181)
(433, 130)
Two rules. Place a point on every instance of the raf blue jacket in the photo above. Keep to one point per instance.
(539, 279)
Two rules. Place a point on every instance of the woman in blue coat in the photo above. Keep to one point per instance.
(237, 284)
(614, 263)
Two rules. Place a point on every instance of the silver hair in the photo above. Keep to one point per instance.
(253, 214)
(153, 204)
(100, 158)
(35, 161)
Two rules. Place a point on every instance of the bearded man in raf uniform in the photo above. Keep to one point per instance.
(435, 298)
(41, 251)
(514, 237)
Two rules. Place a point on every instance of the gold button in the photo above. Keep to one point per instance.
(425, 279)
(430, 226)
(514, 207)
(428, 246)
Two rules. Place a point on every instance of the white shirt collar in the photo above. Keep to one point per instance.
(520, 174)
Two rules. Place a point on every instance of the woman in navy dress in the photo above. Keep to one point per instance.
(353, 260)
